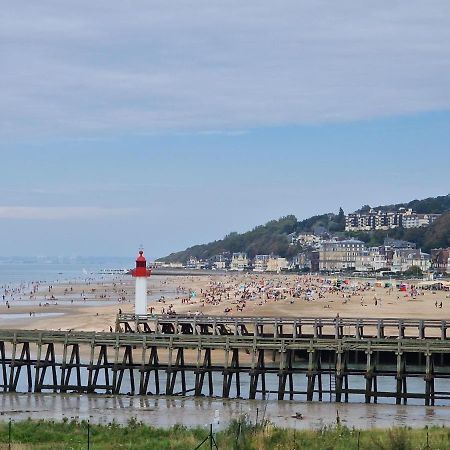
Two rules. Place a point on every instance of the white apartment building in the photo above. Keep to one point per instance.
(418, 220)
(373, 220)
(385, 220)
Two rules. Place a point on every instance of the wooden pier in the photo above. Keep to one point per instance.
(298, 368)
(287, 327)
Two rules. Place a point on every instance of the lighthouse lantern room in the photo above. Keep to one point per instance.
(141, 274)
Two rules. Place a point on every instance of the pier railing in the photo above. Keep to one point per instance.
(337, 327)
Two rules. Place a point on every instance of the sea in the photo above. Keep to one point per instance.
(167, 411)
(17, 270)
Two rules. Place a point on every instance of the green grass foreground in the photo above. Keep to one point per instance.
(240, 435)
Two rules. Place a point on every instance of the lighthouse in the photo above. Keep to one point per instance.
(141, 274)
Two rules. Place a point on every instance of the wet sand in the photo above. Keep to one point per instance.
(166, 412)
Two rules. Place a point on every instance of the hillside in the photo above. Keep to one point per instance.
(264, 239)
(431, 205)
(273, 237)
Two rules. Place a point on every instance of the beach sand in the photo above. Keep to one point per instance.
(93, 305)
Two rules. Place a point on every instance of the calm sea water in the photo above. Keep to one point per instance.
(17, 270)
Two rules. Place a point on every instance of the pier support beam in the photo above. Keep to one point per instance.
(229, 371)
(66, 369)
(429, 379)
(17, 364)
(257, 371)
(149, 366)
(41, 368)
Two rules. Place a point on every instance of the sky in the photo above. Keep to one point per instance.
(167, 124)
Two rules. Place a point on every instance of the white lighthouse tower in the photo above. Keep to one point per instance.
(141, 274)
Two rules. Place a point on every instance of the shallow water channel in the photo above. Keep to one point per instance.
(189, 411)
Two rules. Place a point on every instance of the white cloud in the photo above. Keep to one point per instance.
(59, 212)
(152, 66)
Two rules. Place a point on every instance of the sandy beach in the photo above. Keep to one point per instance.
(93, 305)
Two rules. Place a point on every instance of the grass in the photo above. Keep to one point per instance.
(239, 435)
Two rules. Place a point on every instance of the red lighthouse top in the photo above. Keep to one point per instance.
(141, 266)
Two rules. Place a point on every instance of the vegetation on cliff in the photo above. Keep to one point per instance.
(274, 236)
(430, 205)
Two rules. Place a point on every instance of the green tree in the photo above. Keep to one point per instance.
(413, 271)
(341, 219)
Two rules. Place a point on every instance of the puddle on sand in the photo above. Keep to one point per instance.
(19, 316)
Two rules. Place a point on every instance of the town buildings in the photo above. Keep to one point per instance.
(260, 263)
(418, 220)
(308, 239)
(194, 263)
(371, 259)
(320, 254)
(373, 220)
(219, 262)
(303, 261)
(239, 261)
(352, 255)
(404, 259)
(349, 255)
(386, 220)
(440, 260)
(339, 255)
(276, 264)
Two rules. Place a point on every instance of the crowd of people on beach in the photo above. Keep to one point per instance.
(232, 294)
(236, 291)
